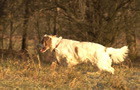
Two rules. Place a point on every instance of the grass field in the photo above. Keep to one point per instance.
(21, 73)
(30, 74)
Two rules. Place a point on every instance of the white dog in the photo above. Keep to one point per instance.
(76, 52)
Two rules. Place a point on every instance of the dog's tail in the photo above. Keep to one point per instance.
(118, 55)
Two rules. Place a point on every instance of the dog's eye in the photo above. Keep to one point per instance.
(47, 38)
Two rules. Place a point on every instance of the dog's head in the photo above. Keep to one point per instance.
(46, 43)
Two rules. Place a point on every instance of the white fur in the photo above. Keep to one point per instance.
(87, 51)
(118, 55)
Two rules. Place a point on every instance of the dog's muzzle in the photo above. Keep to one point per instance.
(40, 46)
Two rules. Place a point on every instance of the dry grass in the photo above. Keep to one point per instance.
(21, 74)
(29, 73)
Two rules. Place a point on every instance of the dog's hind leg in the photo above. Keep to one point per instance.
(104, 63)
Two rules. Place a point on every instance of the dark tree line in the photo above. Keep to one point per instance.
(101, 21)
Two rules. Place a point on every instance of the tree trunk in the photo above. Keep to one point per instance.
(130, 34)
(38, 31)
(39, 37)
(1, 35)
(2, 6)
(131, 41)
(11, 31)
(55, 17)
(25, 27)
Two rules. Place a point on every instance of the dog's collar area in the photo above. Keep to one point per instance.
(58, 43)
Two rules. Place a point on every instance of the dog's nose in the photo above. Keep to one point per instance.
(40, 46)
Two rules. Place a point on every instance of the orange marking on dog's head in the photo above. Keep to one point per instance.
(47, 43)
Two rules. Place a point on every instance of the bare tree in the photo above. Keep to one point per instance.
(131, 18)
(2, 13)
(55, 17)
(97, 18)
(11, 32)
(101, 21)
(25, 26)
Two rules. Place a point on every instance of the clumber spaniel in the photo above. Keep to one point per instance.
(75, 52)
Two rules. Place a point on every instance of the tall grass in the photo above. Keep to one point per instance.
(28, 74)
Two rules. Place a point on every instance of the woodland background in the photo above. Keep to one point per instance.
(112, 23)
(108, 22)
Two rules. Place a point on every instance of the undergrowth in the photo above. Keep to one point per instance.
(21, 74)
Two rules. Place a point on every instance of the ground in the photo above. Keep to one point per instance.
(20, 71)
(16, 73)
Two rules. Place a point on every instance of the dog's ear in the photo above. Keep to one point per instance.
(51, 35)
